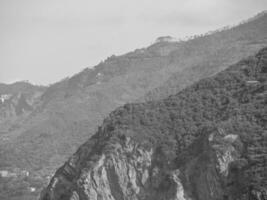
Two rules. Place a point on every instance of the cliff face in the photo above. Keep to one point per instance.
(207, 142)
(214, 169)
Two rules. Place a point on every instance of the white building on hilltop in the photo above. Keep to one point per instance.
(166, 39)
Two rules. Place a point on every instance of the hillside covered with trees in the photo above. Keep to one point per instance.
(231, 103)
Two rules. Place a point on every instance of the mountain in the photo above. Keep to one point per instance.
(17, 101)
(70, 111)
(207, 142)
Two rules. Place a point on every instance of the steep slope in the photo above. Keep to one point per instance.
(71, 110)
(207, 142)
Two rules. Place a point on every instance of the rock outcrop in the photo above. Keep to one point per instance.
(215, 169)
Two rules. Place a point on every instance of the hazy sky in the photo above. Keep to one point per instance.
(44, 41)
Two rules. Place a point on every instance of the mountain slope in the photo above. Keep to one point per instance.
(70, 111)
(207, 142)
(213, 53)
(17, 101)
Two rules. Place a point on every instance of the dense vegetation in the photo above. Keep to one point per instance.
(232, 102)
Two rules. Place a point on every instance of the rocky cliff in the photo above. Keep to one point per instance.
(207, 142)
(214, 170)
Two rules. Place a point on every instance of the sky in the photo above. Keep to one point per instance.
(44, 41)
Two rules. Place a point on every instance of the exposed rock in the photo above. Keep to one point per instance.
(128, 171)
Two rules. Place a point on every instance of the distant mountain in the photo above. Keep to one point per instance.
(207, 142)
(70, 111)
(17, 101)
